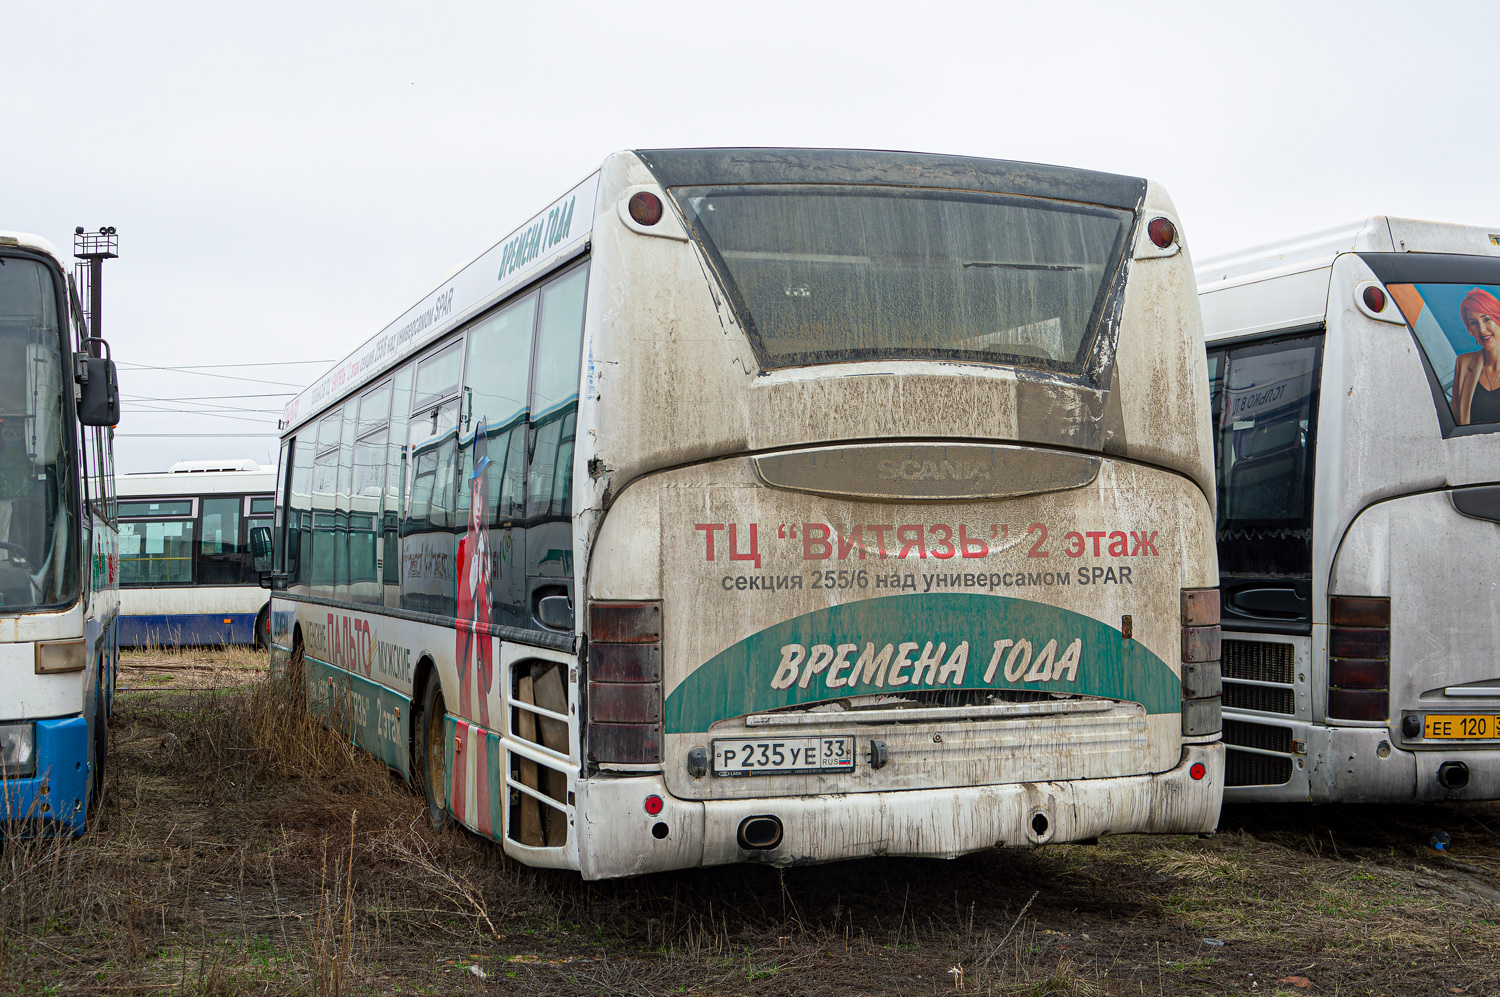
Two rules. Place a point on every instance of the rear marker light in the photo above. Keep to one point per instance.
(1201, 677)
(624, 690)
(1198, 771)
(1359, 655)
(645, 208)
(1162, 232)
(1374, 299)
(653, 805)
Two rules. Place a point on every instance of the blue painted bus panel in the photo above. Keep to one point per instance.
(181, 629)
(58, 794)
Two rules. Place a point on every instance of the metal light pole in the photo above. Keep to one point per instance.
(95, 248)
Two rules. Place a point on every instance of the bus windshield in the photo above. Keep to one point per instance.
(834, 274)
(37, 568)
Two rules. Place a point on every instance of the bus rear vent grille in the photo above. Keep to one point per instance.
(1259, 661)
(1245, 769)
(1260, 698)
(1262, 736)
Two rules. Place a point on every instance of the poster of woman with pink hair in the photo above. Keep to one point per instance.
(1458, 327)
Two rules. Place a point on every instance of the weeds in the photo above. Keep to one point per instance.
(243, 847)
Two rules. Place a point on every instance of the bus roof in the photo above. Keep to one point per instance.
(36, 243)
(563, 229)
(253, 477)
(696, 167)
(1296, 293)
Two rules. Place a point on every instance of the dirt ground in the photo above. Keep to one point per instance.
(243, 849)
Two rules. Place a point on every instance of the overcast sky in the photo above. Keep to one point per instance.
(287, 178)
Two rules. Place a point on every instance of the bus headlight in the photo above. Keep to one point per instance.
(59, 656)
(17, 751)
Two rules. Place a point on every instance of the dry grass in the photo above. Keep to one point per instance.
(244, 848)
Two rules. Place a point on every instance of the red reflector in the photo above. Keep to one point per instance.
(625, 622)
(1358, 704)
(1348, 643)
(1200, 607)
(1198, 771)
(1374, 299)
(1162, 232)
(653, 805)
(1358, 673)
(645, 208)
(1359, 611)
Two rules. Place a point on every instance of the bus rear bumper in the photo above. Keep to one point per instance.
(56, 798)
(623, 840)
(1366, 765)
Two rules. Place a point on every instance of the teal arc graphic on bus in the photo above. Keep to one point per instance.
(922, 642)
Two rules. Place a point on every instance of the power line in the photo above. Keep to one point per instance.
(225, 377)
(216, 415)
(210, 398)
(147, 405)
(176, 436)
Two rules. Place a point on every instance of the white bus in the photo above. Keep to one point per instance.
(59, 555)
(186, 576)
(777, 505)
(1356, 393)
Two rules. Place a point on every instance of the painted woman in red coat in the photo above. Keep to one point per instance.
(475, 647)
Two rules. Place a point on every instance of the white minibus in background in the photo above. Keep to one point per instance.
(186, 576)
(59, 555)
(1356, 396)
(777, 505)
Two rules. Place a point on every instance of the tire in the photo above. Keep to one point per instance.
(263, 629)
(432, 761)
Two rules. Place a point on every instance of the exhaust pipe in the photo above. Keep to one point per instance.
(1453, 775)
(760, 832)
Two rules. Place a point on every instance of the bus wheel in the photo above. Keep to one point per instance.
(432, 760)
(263, 629)
(101, 741)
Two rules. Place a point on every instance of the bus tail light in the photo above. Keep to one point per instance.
(645, 208)
(1202, 682)
(624, 673)
(1359, 658)
(1162, 232)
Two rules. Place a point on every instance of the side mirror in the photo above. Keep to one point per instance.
(555, 612)
(260, 548)
(98, 389)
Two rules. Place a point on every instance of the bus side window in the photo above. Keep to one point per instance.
(324, 501)
(218, 541)
(299, 514)
(495, 394)
(554, 413)
(554, 396)
(395, 486)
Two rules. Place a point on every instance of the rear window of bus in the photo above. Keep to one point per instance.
(835, 274)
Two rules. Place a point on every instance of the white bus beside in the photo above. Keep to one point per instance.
(1356, 392)
(186, 575)
(59, 554)
(777, 505)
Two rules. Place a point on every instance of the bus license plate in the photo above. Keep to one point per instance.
(1452, 726)
(764, 756)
